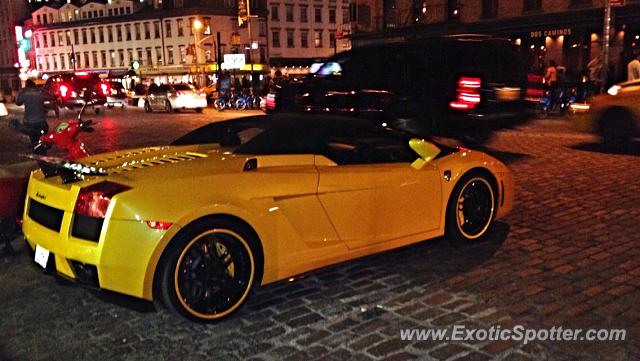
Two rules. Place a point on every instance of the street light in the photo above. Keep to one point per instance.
(73, 53)
(197, 25)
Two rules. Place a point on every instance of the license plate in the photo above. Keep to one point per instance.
(42, 256)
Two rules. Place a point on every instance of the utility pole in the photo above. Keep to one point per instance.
(606, 35)
(73, 53)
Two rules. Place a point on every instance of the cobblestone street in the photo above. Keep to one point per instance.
(568, 256)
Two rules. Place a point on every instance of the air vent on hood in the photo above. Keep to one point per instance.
(154, 161)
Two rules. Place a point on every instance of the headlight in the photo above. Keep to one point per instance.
(614, 90)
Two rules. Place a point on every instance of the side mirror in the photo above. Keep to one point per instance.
(425, 150)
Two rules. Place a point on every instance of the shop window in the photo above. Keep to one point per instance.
(453, 9)
(489, 8)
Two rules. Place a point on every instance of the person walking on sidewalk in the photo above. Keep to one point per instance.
(35, 112)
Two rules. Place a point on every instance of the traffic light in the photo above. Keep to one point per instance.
(25, 44)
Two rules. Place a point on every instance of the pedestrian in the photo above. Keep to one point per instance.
(594, 68)
(633, 67)
(35, 112)
(551, 79)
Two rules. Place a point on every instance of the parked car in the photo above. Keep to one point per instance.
(68, 89)
(116, 95)
(173, 98)
(614, 116)
(237, 204)
(457, 85)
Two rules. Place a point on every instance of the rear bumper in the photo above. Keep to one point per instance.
(119, 259)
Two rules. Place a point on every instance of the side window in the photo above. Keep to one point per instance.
(282, 139)
(163, 88)
(364, 146)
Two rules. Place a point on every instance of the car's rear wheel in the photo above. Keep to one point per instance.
(616, 127)
(147, 107)
(209, 269)
(471, 208)
(167, 107)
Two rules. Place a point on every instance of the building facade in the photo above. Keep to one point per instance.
(12, 13)
(569, 32)
(160, 41)
(303, 31)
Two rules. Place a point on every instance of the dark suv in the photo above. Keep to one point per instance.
(70, 89)
(457, 86)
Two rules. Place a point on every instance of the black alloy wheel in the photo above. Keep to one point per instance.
(471, 208)
(209, 270)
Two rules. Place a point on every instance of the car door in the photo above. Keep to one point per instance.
(373, 194)
(162, 96)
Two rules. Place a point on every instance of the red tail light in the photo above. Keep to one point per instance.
(64, 90)
(159, 225)
(94, 200)
(468, 93)
(271, 101)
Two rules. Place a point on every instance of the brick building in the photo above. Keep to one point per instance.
(12, 13)
(162, 37)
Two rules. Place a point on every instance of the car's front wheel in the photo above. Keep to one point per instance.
(167, 107)
(471, 208)
(147, 107)
(208, 271)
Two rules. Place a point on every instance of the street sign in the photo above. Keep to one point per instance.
(233, 61)
(617, 3)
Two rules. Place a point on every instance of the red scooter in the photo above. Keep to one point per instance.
(14, 178)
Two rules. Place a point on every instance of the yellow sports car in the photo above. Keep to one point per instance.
(237, 204)
(614, 116)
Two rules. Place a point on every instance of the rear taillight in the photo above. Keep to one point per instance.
(93, 201)
(468, 93)
(271, 101)
(64, 90)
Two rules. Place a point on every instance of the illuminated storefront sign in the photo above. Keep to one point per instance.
(552, 32)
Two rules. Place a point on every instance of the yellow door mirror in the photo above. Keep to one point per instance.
(426, 150)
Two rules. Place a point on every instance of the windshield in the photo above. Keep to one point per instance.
(227, 134)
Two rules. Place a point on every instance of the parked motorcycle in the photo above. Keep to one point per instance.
(14, 178)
